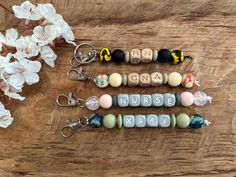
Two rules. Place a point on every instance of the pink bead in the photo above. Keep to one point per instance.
(105, 101)
(186, 99)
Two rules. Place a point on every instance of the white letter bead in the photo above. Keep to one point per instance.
(147, 55)
(169, 100)
(128, 121)
(146, 100)
(133, 79)
(135, 56)
(156, 79)
(164, 120)
(144, 80)
(123, 100)
(152, 120)
(157, 100)
(140, 121)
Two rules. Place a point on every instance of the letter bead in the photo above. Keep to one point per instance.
(164, 120)
(140, 121)
(157, 100)
(144, 80)
(147, 55)
(133, 79)
(128, 121)
(135, 56)
(146, 100)
(134, 100)
(156, 79)
(123, 100)
(152, 120)
(169, 100)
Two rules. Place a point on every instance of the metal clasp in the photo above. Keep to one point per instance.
(78, 75)
(71, 127)
(69, 101)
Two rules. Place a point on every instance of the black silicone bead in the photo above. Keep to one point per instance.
(118, 56)
(164, 56)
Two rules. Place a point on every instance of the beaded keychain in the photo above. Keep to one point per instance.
(109, 121)
(173, 79)
(135, 56)
(136, 100)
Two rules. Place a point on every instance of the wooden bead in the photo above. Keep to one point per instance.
(147, 55)
(133, 79)
(174, 79)
(135, 56)
(115, 80)
(144, 80)
(156, 79)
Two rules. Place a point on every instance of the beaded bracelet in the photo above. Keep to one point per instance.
(173, 79)
(136, 100)
(135, 56)
(109, 121)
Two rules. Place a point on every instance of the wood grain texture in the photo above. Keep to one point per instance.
(206, 29)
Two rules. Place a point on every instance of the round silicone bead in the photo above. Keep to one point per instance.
(102, 80)
(109, 121)
(105, 101)
(92, 103)
(174, 79)
(115, 80)
(164, 56)
(196, 121)
(105, 55)
(95, 120)
(118, 56)
(177, 56)
(188, 80)
(119, 121)
(186, 99)
(172, 120)
(182, 120)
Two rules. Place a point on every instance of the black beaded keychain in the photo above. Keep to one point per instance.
(135, 56)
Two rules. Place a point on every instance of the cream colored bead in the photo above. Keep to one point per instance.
(155, 55)
(135, 56)
(133, 79)
(165, 78)
(174, 79)
(147, 55)
(115, 80)
(127, 56)
(156, 79)
(144, 80)
(124, 79)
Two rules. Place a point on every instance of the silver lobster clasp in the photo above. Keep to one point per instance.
(68, 101)
(78, 75)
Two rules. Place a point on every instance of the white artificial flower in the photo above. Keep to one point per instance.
(21, 71)
(26, 47)
(48, 55)
(46, 10)
(11, 91)
(27, 11)
(45, 35)
(10, 37)
(4, 61)
(5, 117)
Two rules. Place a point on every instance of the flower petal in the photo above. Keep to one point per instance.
(12, 68)
(16, 80)
(48, 56)
(33, 66)
(31, 78)
(14, 96)
(11, 34)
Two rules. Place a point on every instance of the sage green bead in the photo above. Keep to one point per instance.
(182, 120)
(109, 121)
(172, 120)
(119, 121)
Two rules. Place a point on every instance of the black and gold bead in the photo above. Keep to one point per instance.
(177, 56)
(105, 55)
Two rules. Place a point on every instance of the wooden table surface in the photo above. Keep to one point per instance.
(33, 146)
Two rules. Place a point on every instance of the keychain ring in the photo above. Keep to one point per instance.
(85, 58)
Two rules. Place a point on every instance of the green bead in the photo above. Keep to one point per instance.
(182, 120)
(172, 120)
(119, 121)
(109, 121)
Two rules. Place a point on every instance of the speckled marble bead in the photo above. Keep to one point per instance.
(156, 79)
(115, 80)
(92, 103)
(102, 80)
(134, 100)
(140, 120)
(152, 120)
(155, 55)
(196, 121)
(95, 120)
(124, 79)
(146, 100)
(177, 99)
(200, 98)
(144, 80)
(169, 99)
(119, 121)
(186, 98)
(182, 120)
(127, 56)
(165, 78)
(157, 100)
(123, 100)
(133, 79)
(164, 120)
(105, 101)
(135, 56)
(109, 121)
(172, 120)
(128, 121)
(188, 80)
(146, 55)
(114, 100)
(174, 79)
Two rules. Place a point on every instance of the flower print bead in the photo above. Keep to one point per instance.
(188, 80)
(102, 80)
